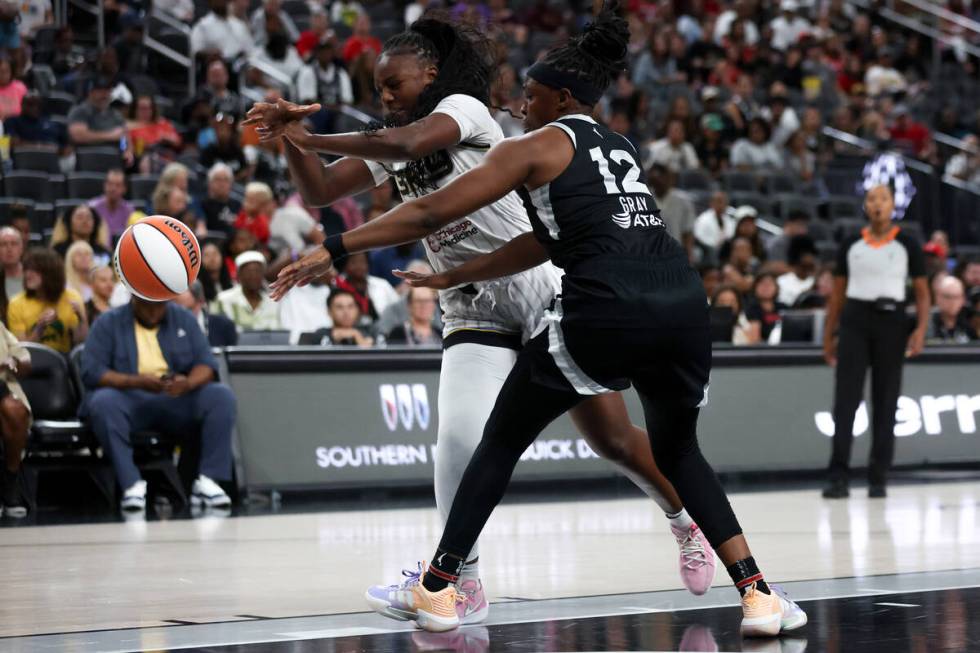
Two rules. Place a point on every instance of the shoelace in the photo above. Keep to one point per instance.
(693, 551)
(411, 578)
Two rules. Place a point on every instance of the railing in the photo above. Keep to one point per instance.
(97, 9)
(955, 143)
(939, 12)
(184, 60)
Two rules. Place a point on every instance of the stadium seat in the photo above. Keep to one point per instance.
(843, 206)
(818, 230)
(798, 327)
(97, 159)
(42, 218)
(57, 103)
(263, 338)
(914, 229)
(846, 227)
(141, 187)
(694, 180)
(59, 441)
(755, 200)
(827, 250)
(787, 203)
(722, 324)
(735, 180)
(779, 182)
(31, 184)
(85, 185)
(42, 159)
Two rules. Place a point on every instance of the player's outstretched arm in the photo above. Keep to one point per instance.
(506, 167)
(322, 185)
(521, 253)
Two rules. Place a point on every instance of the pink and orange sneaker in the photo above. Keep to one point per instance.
(697, 563)
(410, 601)
(768, 615)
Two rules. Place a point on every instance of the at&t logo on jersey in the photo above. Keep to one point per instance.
(408, 404)
(636, 213)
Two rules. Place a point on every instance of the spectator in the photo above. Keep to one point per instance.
(148, 129)
(763, 308)
(175, 174)
(373, 295)
(780, 115)
(747, 227)
(419, 330)
(34, 14)
(47, 312)
(882, 78)
(221, 33)
(757, 151)
(241, 241)
(319, 31)
(277, 52)
(800, 161)
(102, 281)
(258, 206)
(345, 313)
(965, 165)
(739, 268)
(970, 273)
(346, 13)
(716, 225)
(182, 10)
(741, 10)
(789, 26)
(219, 208)
(129, 45)
(302, 310)
(361, 40)
(676, 209)
(823, 288)
(655, 68)
(293, 228)
(67, 56)
(712, 151)
(226, 147)
(214, 275)
(81, 223)
(802, 259)
(248, 304)
(797, 223)
(673, 151)
(11, 255)
(216, 93)
(94, 122)
(15, 419)
(710, 278)
(31, 128)
(173, 202)
(12, 91)
(950, 323)
(220, 330)
(147, 365)
(743, 331)
(324, 80)
(909, 135)
(111, 207)
(270, 18)
(78, 267)
(974, 307)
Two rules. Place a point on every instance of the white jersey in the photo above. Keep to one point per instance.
(512, 305)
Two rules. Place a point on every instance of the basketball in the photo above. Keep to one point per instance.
(157, 258)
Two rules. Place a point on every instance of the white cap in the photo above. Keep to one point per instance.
(789, 5)
(251, 256)
(746, 211)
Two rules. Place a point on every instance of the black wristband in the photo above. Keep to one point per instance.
(335, 245)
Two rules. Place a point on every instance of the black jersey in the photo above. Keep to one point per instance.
(599, 222)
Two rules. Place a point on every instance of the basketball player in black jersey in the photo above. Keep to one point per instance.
(631, 310)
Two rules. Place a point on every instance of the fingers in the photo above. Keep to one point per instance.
(307, 110)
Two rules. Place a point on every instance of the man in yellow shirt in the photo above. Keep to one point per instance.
(46, 312)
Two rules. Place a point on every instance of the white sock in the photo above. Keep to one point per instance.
(681, 520)
(471, 571)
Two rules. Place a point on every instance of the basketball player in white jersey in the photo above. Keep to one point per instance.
(434, 82)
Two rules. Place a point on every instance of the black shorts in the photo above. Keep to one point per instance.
(672, 363)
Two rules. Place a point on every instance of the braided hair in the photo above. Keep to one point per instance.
(599, 54)
(463, 58)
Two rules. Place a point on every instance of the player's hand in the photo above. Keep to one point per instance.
(176, 385)
(830, 351)
(271, 119)
(437, 280)
(317, 264)
(297, 134)
(917, 342)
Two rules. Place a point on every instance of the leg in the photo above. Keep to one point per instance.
(887, 358)
(852, 365)
(214, 409)
(15, 420)
(470, 379)
(111, 414)
(606, 425)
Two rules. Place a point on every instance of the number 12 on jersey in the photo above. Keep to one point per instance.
(630, 182)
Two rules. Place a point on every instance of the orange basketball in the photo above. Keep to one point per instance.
(157, 258)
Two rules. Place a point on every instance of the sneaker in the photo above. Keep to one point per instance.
(698, 638)
(836, 490)
(767, 615)
(209, 494)
(877, 492)
(473, 608)
(697, 561)
(461, 640)
(134, 497)
(14, 504)
(410, 601)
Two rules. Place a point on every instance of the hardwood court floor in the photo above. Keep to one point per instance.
(141, 574)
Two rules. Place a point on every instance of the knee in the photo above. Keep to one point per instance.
(13, 409)
(217, 396)
(105, 402)
(614, 447)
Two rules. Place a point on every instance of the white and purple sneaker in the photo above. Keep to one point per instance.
(473, 609)
(395, 601)
(697, 562)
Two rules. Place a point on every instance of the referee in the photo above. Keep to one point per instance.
(873, 269)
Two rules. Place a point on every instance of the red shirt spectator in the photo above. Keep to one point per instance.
(361, 41)
(257, 224)
(906, 131)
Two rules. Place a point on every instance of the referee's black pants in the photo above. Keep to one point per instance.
(868, 337)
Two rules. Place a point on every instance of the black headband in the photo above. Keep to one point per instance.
(580, 89)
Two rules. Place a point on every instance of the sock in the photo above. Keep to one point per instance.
(744, 573)
(471, 570)
(444, 570)
(681, 520)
